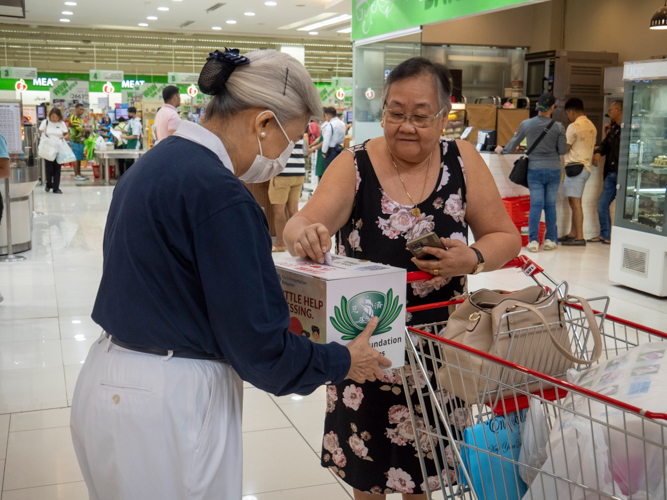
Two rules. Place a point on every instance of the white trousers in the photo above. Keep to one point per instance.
(146, 427)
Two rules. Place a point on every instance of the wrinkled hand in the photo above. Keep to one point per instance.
(596, 159)
(499, 150)
(313, 241)
(367, 363)
(457, 260)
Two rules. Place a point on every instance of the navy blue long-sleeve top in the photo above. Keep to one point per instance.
(187, 265)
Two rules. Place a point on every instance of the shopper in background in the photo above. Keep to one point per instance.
(317, 159)
(376, 197)
(122, 127)
(333, 135)
(190, 297)
(313, 132)
(544, 169)
(167, 119)
(132, 136)
(285, 192)
(4, 174)
(76, 140)
(54, 128)
(581, 135)
(610, 148)
(105, 127)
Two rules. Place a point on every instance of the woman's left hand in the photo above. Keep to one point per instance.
(459, 259)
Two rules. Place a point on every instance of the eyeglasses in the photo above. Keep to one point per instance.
(419, 121)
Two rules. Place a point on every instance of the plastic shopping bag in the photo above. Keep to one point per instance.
(100, 144)
(65, 154)
(578, 453)
(534, 443)
(48, 148)
(494, 478)
(89, 147)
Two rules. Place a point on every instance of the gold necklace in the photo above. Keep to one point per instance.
(415, 211)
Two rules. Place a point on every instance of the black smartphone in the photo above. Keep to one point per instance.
(417, 245)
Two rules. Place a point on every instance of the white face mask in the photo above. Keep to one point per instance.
(263, 168)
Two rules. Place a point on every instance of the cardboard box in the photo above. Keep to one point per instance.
(334, 303)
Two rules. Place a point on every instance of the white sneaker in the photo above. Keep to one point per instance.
(533, 246)
(80, 178)
(550, 245)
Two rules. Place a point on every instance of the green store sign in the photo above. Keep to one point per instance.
(46, 81)
(379, 17)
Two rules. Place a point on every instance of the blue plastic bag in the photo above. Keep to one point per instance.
(494, 478)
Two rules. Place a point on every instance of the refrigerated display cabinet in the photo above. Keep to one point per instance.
(639, 246)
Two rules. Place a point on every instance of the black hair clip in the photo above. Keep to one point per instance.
(286, 75)
(218, 68)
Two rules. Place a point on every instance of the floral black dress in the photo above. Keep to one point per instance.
(369, 440)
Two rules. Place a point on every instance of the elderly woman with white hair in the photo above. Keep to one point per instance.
(190, 297)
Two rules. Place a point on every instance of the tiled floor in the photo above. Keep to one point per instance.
(46, 330)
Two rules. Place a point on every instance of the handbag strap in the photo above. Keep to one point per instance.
(539, 139)
(590, 317)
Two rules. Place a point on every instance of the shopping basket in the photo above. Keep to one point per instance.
(596, 446)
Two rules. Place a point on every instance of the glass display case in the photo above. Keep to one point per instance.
(646, 173)
(638, 256)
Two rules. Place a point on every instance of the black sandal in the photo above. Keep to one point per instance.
(597, 239)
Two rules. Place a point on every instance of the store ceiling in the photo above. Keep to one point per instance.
(109, 38)
(284, 19)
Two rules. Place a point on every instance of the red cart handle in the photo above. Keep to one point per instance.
(521, 262)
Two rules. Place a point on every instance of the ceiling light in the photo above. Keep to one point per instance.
(248, 13)
(328, 22)
(217, 28)
(230, 21)
(152, 18)
(143, 24)
(659, 19)
(67, 13)
(163, 9)
(313, 33)
(270, 4)
(71, 4)
(346, 30)
(64, 20)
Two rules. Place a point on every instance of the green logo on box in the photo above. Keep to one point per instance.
(354, 314)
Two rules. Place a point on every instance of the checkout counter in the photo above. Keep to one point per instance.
(24, 175)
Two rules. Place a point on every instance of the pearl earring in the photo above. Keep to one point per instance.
(262, 135)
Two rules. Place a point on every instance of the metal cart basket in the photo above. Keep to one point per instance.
(596, 446)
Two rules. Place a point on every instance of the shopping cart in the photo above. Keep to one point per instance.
(596, 446)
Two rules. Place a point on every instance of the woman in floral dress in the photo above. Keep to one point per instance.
(376, 198)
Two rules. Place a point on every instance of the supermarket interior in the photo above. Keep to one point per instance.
(129, 368)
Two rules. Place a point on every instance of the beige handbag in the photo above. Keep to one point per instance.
(525, 328)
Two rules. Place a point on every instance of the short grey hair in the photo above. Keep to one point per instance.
(272, 80)
(421, 66)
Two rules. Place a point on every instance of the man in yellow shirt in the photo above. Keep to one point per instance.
(581, 136)
(76, 140)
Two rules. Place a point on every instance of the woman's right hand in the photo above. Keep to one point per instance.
(313, 242)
